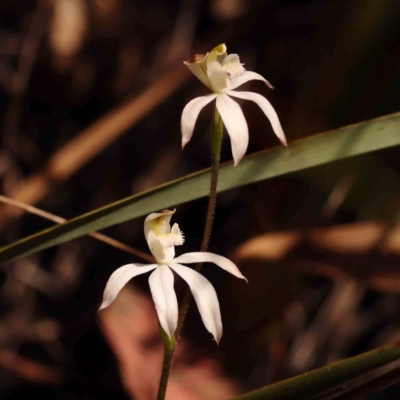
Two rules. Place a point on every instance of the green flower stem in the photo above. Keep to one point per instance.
(169, 350)
(216, 143)
(217, 129)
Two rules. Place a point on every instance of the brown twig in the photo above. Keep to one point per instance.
(59, 220)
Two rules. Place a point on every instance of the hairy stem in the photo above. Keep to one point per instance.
(217, 129)
(169, 350)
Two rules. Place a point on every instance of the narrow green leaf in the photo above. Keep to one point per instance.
(370, 382)
(321, 380)
(316, 150)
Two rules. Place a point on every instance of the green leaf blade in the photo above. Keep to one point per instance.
(316, 150)
(315, 382)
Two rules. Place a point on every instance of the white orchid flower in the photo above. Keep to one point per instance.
(162, 241)
(222, 73)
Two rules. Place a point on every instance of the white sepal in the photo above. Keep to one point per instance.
(267, 108)
(119, 278)
(161, 283)
(205, 297)
(222, 262)
(190, 114)
(247, 76)
(235, 124)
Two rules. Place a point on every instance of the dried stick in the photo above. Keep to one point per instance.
(59, 220)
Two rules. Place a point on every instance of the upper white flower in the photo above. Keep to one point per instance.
(162, 241)
(222, 73)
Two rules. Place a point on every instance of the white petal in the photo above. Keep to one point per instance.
(162, 290)
(235, 125)
(222, 262)
(190, 114)
(205, 297)
(119, 278)
(267, 108)
(218, 77)
(247, 76)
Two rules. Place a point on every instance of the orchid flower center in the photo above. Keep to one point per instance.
(234, 69)
(168, 237)
(160, 225)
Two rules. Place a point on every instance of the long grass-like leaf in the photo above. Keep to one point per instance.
(323, 381)
(316, 150)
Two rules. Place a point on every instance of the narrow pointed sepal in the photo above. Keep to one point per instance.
(190, 114)
(235, 124)
(267, 108)
(119, 278)
(205, 297)
(162, 290)
(246, 77)
(222, 262)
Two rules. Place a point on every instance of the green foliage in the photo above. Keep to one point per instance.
(312, 384)
(316, 150)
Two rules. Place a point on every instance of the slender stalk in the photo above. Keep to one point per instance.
(99, 236)
(169, 350)
(216, 142)
(217, 129)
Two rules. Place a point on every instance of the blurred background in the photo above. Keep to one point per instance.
(91, 94)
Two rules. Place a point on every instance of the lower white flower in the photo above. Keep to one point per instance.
(162, 241)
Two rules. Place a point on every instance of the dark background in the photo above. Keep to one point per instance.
(65, 64)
